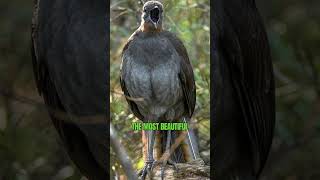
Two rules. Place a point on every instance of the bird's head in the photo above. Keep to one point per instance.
(152, 15)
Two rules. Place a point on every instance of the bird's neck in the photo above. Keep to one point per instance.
(147, 29)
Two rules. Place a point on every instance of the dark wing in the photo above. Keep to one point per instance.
(132, 105)
(70, 69)
(186, 73)
(39, 68)
(243, 41)
(72, 54)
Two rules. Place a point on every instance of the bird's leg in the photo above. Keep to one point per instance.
(149, 163)
(167, 159)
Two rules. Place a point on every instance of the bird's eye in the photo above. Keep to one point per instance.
(144, 10)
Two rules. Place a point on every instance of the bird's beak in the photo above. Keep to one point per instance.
(155, 16)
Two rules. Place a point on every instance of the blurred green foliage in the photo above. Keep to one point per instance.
(294, 33)
(190, 21)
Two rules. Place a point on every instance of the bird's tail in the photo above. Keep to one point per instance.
(184, 145)
(177, 153)
(232, 176)
(83, 149)
(248, 177)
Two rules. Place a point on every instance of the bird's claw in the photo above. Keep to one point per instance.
(149, 166)
(147, 169)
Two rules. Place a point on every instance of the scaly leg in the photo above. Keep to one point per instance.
(149, 163)
(167, 161)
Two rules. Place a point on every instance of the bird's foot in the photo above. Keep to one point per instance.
(163, 164)
(147, 169)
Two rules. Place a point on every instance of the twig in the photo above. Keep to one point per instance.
(128, 97)
(122, 154)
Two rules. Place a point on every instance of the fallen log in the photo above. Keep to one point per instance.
(195, 170)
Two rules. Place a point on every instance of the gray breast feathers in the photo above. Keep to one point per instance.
(150, 70)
